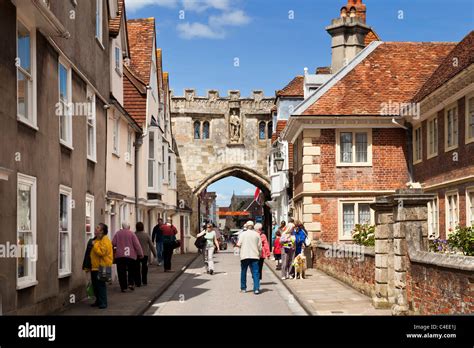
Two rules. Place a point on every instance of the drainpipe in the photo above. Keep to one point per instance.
(138, 143)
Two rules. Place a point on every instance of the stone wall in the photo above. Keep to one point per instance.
(350, 264)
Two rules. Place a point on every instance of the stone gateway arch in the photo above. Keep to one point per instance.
(217, 137)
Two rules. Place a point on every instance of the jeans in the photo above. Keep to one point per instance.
(260, 267)
(126, 269)
(141, 271)
(167, 254)
(159, 252)
(244, 265)
(208, 257)
(287, 256)
(100, 290)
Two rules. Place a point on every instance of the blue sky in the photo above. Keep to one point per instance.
(200, 50)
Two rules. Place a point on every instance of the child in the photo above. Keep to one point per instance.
(277, 250)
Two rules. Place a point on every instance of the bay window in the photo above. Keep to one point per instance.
(26, 75)
(26, 231)
(65, 229)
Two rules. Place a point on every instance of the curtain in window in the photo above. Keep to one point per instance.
(361, 147)
(348, 221)
(346, 147)
(364, 214)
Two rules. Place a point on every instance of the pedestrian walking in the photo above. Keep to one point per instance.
(265, 254)
(211, 244)
(287, 241)
(157, 237)
(169, 242)
(127, 250)
(101, 259)
(250, 244)
(141, 271)
(277, 250)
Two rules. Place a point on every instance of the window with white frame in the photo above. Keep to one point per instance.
(452, 212)
(165, 163)
(116, 136)
(89, 218)
(417, 145)
(451, 128)
(118, 57)
(65, 230)
(26, 75)
(91, 125)
(65, 97)
(351, 214)
(128, 155)
(433, 137)
(470, 206)
(354, 148)
(26, 230)
(98, 20)
(151, 161)
(433, 228)
(470, 119)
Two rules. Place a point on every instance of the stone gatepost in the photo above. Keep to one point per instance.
(398, 217)
(383, 296)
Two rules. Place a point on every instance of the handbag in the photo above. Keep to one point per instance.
(200, 242)
(104, 274)
(89, 290)
(176, 244)
(307, 241)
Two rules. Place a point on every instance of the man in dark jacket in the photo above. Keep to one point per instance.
(157, 235)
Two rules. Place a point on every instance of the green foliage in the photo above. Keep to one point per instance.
(364, 235)
(462, 240)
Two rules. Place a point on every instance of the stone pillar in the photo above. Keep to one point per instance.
(410, 217)
(383, 251)
(397, 216)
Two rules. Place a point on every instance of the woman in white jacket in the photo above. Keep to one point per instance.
(211, 244)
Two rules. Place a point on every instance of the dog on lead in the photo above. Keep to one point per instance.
(300, 266)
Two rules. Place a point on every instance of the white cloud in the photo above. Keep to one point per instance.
(203, 5)
(135, 5)
(234, 18)
(198, 30)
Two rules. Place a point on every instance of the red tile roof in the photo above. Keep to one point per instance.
(462, 55)
(293, 89)
(393, 72)
(134, 93)
(114, 23)
(141, 37)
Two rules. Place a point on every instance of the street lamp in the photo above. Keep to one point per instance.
(278, 161)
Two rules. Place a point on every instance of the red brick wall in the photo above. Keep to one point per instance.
(389, 169)
(442, 167)
(435, 290)
(358, 274)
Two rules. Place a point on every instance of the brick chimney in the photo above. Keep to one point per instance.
(348, 34)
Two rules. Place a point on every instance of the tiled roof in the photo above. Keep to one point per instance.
(293, 89)
(458, 59)
(393, 72)
(114, 23)
(141, 36)
(134, 93)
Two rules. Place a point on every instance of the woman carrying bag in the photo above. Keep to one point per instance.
(101, 264)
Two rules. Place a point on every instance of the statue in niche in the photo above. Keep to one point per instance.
(234, 127)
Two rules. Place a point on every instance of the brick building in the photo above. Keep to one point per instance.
(349, 135)
(443, 140)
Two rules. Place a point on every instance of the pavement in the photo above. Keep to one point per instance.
(134, 302)
(197, 293)
(321, 294)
